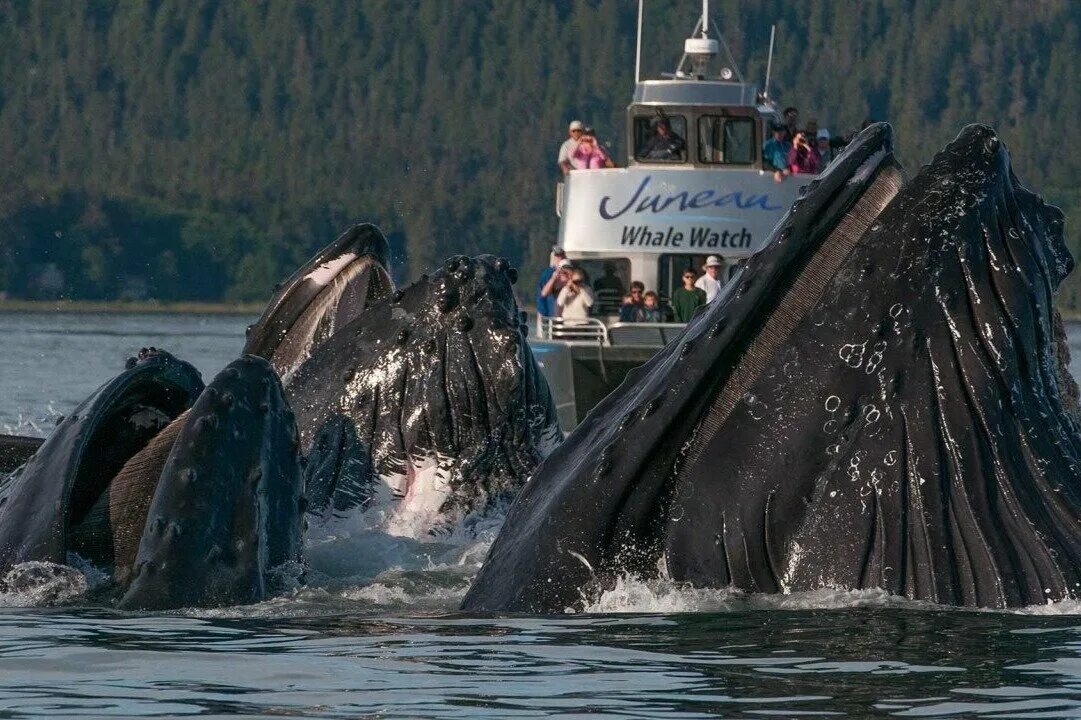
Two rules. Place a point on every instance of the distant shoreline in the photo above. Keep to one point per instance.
(138, 306)
(201, 308)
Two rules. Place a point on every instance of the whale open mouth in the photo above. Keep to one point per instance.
(797, 287)
(77, 463)
(320, 298)
(427, 408)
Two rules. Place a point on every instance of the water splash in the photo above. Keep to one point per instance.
(630, 594)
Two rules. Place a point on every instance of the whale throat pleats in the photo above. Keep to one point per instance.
(109, 534)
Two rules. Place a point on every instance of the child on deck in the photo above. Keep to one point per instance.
(650, 310)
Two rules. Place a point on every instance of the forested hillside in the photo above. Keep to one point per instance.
(199, 149)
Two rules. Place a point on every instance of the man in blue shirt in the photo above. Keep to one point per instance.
(546, 301)
(775, 153)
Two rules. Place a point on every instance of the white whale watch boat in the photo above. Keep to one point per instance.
(662, 213)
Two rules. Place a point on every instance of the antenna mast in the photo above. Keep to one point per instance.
(769, 62)
(638, 47)
(700, 48)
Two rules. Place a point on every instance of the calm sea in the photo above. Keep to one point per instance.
(380, 637)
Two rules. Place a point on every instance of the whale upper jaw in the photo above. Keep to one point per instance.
(322, 296)
(228, 510)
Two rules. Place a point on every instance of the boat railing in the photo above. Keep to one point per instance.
(593, 331)
(586, 330)
(644, 333)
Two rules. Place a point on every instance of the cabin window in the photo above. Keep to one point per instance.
(660, 139)
(726, 140)
(610, 279)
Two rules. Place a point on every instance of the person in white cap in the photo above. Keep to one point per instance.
(710, 281)
(566, 150)
(825, 151)
(546, 285)
(555, 283)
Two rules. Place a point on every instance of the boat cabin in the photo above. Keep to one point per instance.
(694, 184)
(703, 189)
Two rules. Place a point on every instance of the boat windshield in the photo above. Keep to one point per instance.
(660, 138)
(726, 140)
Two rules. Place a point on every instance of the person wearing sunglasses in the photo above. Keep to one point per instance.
(632, 303)
(687, 298)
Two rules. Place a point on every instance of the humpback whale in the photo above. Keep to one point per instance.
(191, 496)
(878, 400)
(428, 398)
(430, 402)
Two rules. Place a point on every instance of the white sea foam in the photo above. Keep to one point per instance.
(635, 595)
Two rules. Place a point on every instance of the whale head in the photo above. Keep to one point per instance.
(431, 402)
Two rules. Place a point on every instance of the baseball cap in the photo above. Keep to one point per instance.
(713, 261)
(576, 125)
(822, 134)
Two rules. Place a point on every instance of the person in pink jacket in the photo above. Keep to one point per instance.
(589, 155)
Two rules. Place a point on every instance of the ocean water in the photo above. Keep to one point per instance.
(380, 636)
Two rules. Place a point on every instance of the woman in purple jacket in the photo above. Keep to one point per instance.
(803, 158)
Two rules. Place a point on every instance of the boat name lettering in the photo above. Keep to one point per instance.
(697, 237)
(684, 200)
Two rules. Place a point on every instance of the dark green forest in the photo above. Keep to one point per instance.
(199, 149)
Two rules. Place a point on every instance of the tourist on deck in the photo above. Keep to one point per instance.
(575, 299)
(663, 144)
(685, 300)
(628, 311)
(824, 145)
(710, 282)
(574, 133)
(775, 153)
(551, 282)
(791, 123)
(803, 159)
(589, 155)
(650, 311)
